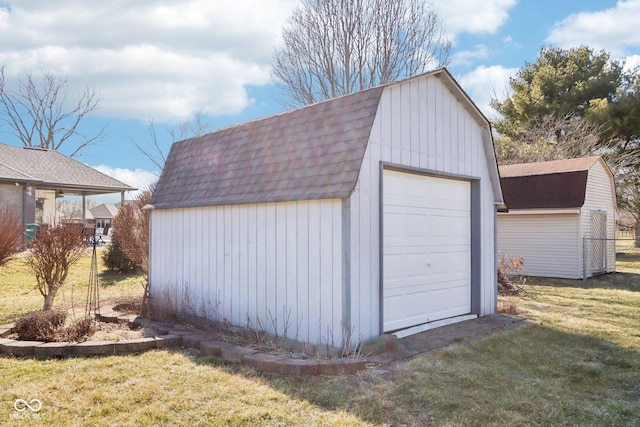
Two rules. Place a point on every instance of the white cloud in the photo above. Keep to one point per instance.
(632, 62)
(486, 83)
(137, 178)
(614, 30)
(468, 57)
(161, 60)
(473, 16)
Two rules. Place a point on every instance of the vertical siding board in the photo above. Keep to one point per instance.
(291, 317)
(251, 291)
(261, 263)
(303, 244)
(405, 110)
(272, 273)
(315, 272)
(281, 267)
(336, 280)
(326, 271)
(395, 122)
(414, 124)
(420, 122)
(242, 282)
(432, 125)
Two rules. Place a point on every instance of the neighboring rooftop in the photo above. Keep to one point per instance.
(104, 211)
(545, 168)
(310, 153)
(50, 169)
(557, 184)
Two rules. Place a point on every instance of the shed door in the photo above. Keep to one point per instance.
(598, 242)
(426, 249)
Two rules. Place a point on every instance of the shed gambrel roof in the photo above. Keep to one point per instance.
(556, 184)
(314, 152)
(50, 169)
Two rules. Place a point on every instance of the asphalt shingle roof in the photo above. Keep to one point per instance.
(310, 153)
(51, 168)
(557, 184)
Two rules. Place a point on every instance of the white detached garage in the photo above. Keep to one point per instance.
(561, 214)
(341, 220)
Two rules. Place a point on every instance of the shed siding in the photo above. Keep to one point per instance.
(600, 195)
(549, 243)
(420, 124)
(273, 266)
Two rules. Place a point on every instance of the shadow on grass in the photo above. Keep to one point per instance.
(532, 375)
(109, 278)
(622, 281)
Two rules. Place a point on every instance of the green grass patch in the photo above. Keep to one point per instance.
(577, 364)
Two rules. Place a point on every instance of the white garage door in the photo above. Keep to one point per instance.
(427, 249)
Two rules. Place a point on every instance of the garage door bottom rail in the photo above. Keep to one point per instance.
(432, 325)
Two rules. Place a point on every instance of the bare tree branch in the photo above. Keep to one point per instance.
(155, 149)
(334, 47)
(38, 114)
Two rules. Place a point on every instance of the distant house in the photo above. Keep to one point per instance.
(339, 221)
(31, 179)
(104, 214)
(559, 214)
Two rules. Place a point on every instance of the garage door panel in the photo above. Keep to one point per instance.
(426, 252)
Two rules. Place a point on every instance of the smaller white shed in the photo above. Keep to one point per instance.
(561, 217)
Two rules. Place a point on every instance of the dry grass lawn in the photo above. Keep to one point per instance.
(578, 364)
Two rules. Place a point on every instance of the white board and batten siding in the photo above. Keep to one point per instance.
(600, 196)
(272, 266)
(549, 243)
(420, 124)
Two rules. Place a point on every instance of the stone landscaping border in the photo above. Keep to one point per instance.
(227, 352)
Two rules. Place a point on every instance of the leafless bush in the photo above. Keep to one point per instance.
(510, 280)
(78, 331)
(10, 235)
(52, 253)
(42, 325)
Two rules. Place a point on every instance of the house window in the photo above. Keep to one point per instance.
(103, 223)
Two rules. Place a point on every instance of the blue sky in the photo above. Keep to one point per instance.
(166, 61)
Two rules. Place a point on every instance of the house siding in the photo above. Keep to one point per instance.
(13, 197)
(549, 243)
(600, 196)
(420, 124)
(271, 266)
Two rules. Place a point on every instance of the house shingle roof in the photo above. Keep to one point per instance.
(557, 184)
(52, 169)
(310, 153)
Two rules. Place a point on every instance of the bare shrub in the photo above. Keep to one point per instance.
(132, 231)
(52, 253)
(42, 325)
(510, 280)
(508, 305)
(78, 331)
(10, 235)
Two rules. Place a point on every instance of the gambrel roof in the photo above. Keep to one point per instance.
(555, 184)
(50, 169)
(314, 152)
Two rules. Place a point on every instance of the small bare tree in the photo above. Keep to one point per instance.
(52, 253)
(38, 114)
(156, 148)
(132, 230)
(335, 47)
(10, 235)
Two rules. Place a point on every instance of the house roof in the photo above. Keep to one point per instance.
(105, 210)
(557, 184)
(52, 170)
(313, 152)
